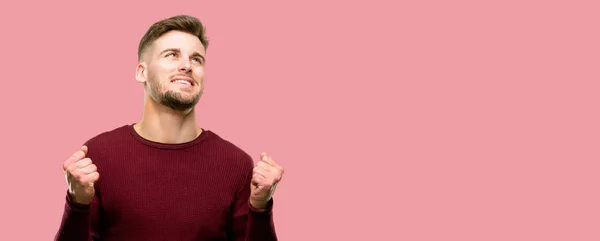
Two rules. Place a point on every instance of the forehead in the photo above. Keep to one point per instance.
(186, 42)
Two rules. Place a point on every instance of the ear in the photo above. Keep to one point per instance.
(141, 75)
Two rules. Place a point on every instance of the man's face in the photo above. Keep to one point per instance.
(175, 70)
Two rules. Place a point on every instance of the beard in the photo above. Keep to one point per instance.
(172, 99)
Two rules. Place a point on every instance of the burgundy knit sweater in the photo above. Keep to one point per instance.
(147, 191)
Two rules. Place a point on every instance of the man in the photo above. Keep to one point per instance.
(164, 177)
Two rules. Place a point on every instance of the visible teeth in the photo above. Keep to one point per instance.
(182, 81)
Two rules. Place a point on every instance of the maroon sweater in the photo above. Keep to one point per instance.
(153, 191)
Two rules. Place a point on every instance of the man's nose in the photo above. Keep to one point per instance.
(185, 65)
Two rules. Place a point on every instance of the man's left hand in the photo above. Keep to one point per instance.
(266, 174)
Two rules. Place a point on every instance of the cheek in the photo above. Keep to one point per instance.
(199, 73)
(163, 72)
(165, 67)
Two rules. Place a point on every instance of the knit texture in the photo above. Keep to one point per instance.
(197, 190)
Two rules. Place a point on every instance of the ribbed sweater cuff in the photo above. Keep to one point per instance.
(76, 207)
(266, 211)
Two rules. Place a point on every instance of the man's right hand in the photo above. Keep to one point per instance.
(81, 174)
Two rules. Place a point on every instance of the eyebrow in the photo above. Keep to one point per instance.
(195, 54)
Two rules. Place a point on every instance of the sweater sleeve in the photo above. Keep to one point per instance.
(250, 224)
(79, 222)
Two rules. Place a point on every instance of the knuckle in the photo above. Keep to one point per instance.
(76, 176)
(76, 155)
(76, 164)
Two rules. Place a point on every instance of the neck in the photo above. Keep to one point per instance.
(165, 125)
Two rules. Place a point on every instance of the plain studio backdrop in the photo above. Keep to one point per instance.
(410, 120)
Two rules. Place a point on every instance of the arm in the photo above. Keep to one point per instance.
(80, 216)
(250, 224)
(79, 222)
(253, 213)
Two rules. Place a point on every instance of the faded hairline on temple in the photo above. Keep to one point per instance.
(184, 23)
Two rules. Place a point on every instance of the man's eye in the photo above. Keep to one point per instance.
(199, 60)
(170, 54)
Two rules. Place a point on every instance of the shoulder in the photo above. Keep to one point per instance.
(229, 150)
(108, 142)
(237, 162)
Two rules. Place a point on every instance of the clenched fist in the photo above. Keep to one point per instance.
(266, 174)
(81, 174)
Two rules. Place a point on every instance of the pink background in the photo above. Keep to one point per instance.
(436, 120)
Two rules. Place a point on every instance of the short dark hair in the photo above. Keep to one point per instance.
(184, 23)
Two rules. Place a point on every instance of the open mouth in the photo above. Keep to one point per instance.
(183, 81)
